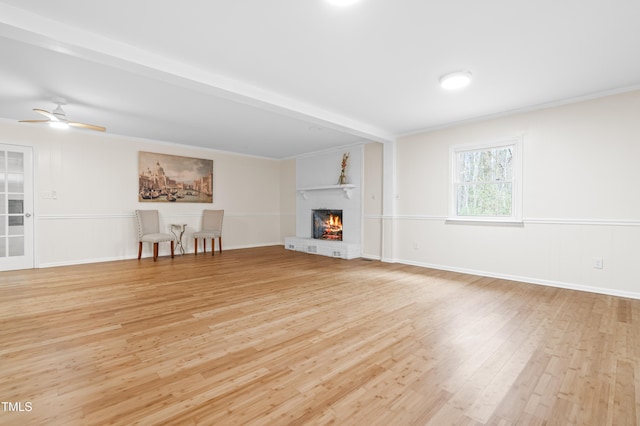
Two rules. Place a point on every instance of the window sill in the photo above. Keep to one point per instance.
(484, 221)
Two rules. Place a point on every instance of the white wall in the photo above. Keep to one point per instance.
(95, 177)
(580, 199)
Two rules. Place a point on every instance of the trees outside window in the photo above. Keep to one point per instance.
(486, 182)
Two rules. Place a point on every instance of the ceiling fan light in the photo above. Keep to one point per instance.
(455, 80)
(59, 124)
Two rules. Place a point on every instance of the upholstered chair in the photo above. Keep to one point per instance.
(211, 229)
(148, 223)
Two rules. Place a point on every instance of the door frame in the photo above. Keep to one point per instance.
(28, 261)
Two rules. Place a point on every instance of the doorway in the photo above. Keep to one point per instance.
(16, 207)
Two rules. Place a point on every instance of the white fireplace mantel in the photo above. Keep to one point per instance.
(347, 188)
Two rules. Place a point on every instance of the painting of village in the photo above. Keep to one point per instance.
(171, 178)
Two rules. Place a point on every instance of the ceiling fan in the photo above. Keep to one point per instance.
(58, 119)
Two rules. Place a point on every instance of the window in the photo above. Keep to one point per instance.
(486, 182)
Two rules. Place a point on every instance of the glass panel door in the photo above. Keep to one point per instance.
(16, 202)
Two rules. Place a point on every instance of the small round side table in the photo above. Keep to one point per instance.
(178, 227)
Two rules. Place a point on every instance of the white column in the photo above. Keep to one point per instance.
(389, 197)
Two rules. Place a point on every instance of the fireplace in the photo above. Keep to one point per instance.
(316, 189)
(327, 224)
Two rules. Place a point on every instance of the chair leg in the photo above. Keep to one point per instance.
(213, 246)
(155, 251)
(204, 245)
(220, 243)
(172, 249)
(195, 245)
(139, 250)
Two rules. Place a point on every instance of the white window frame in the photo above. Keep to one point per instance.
(516, 211)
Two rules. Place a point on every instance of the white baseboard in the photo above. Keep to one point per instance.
(523, 279)
(371, 256)
(83, 261)
(135, 256)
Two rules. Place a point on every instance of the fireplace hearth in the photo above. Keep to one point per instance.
(327, 224)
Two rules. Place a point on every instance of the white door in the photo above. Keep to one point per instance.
(16, 207)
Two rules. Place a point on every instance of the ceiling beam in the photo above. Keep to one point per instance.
(40, 31)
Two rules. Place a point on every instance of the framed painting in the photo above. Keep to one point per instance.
(172, 178)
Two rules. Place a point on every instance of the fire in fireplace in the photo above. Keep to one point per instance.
(327, 224)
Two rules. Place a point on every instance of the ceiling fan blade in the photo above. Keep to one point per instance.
(58, 117)
(87, 126)
(33, 121)
(47, 114)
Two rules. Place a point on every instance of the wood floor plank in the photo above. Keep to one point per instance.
(267, 336)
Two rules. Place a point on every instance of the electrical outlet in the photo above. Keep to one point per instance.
(47, 194)
(597, 263)
(416, 246)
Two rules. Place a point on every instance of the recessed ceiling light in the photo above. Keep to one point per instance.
(342, 2)
(455, 80)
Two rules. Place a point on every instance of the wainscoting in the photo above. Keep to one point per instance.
(555, 252)
(68, 239)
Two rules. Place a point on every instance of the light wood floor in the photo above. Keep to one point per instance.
(272, 337)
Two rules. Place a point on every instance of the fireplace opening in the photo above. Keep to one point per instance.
(327, 224)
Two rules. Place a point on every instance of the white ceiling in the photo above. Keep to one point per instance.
(281, 78)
